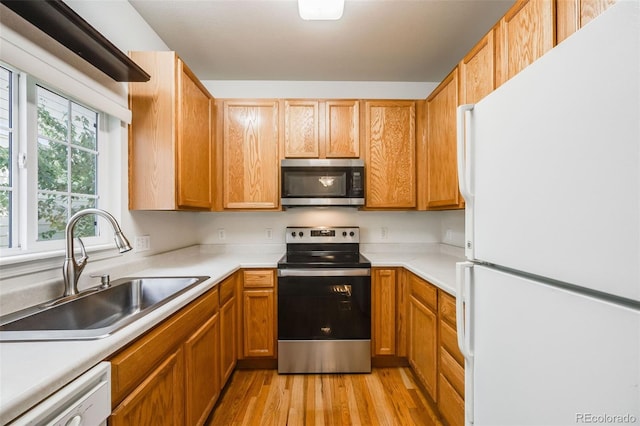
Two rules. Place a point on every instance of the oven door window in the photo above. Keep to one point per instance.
(324, 308)
(314, 183)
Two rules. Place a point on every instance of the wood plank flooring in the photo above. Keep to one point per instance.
(387, 396)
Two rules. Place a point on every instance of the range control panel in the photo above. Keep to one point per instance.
(323, 234)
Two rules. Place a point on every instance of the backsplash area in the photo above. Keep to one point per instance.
(375, 226)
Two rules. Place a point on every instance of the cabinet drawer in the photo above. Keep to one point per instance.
(450, 404)
(423, 291)
(453, 371)
(259, 278)
(447, 308)
(227, 289)
(449, 340)
(130, 366)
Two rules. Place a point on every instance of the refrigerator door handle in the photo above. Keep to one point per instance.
(463, 317)
(464, 304)
(463, 154)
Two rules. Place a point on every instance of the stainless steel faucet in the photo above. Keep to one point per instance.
(72, 268)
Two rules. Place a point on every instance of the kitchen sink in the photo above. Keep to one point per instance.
(94, 313)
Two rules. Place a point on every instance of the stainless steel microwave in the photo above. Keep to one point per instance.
(322, 182)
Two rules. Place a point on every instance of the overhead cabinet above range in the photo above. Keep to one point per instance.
(321, 129)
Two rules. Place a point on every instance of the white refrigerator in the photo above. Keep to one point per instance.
(549, 299)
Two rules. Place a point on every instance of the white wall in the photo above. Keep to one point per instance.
(251, 227)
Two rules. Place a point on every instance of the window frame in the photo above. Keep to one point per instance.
(25, 212)
(14, 143)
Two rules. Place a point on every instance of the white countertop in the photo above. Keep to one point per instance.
(30, 371)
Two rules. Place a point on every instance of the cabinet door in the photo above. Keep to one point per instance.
(259, 323)
(195, 150)
(441, 165)
(571, 15)
(526, 32)
(451, 365)
(228, 357)
(477, 71)
(423, 349)
(158, 400)
(152, 160)
(202, 371)
(301, 136)
(390, 143)
(342, 129)
(383, 304)
(250, 159)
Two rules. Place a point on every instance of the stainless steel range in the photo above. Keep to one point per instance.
(324, 302)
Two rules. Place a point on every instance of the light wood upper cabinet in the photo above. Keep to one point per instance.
(301, 135)
(441, 162)
(525, 33)
(250, 162)
(390, 154)
(477, 71)
(321, 129)
(342, 129)
(170, 137)
(575, 14)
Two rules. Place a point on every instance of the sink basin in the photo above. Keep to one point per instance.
(95, 313)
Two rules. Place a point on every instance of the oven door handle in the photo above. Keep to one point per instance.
(325, 272)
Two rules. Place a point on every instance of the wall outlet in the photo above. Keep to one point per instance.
(268, 233)
(448, 236)
(142, 243)
(221, 234)
(384, 232)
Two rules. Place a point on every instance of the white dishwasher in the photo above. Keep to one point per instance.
(86, 401)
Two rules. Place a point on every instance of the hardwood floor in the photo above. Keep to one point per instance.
(387, 396)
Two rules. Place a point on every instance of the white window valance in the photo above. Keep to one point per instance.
(98, 92)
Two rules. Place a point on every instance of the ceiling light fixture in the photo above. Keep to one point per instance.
(321, 10)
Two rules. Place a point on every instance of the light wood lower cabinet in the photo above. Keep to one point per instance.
(259, 314)
(202, 371)
(423, 333)
(383, 311)
(451, 371)
(228, 327)
(159, 400)
(171, 375)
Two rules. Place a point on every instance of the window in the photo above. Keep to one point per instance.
(67, 164)
(51, 165)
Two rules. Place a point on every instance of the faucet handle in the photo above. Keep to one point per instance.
(83, 260)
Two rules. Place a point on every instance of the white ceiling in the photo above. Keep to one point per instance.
(376, 40)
